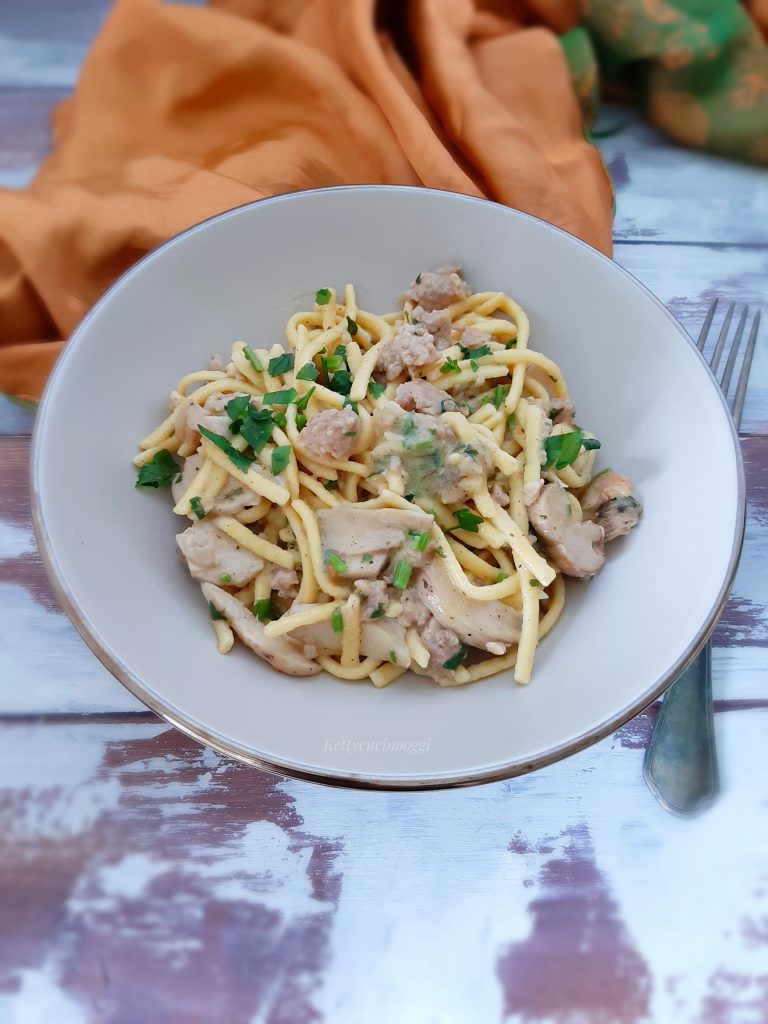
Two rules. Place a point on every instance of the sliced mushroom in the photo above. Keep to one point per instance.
(602, 488)
(618, 516)
(574, 546)
(280, 651)
(364, 537)
(379, 638)
(211, 554)
(478, 623)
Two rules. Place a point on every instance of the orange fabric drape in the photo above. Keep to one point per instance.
(182, 112)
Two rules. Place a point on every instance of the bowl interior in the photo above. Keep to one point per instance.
(637, 382)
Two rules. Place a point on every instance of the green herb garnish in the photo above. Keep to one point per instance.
(402, 574)
(301, 403)
(453, 663)
(159, 471)
(467, 520)
(376, 389)
(323, 296)
(476, 353)
(337, 621)
(279, 397)
(215, 615)
(378, 613)
(253, 359)
(352, 326)
(279, 365)
(501, 576)
(336, 562)
(280, 458)
(263, 610)
(421, 540)
(499, 394)
(393, 657)
(341, 382)
(197, 507)
(301, 421)
(224, 577)
(511, 343)
(307, 372)
(331, 485)
(237, 458)
(450, 366)
(563, 449)
(474, 365)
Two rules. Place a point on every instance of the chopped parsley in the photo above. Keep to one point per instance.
(349, 404)
(453, 663)
(474, 365)
(450, 366)
(512, 343)
(420, 540)
(159, 471)
(467, 520)
(563, 449)
(215, 615)
(341, 382)
(264, 610)
(237, 458)
(393, 657)
(307, 372)
(338, 361)
(253, 359)
(301, 403)
(337, 621)
(352, 326)
(280, 458)
(511, 420)
(402, 574)
(197, 507)
(301, 421)
(336, 562)
(279, 397)
(476, 353)
(532, 582)
(279, 365)
(376, 389)
(499, 394)
(323, 296)
(255, 425)
(225, 578)
(500, 576)
(331, 485)
(378, 612)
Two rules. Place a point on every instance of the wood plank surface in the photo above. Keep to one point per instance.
(144, 879)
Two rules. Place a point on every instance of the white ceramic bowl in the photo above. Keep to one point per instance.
(638, 382)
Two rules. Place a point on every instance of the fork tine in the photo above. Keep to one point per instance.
(715, 360)
(746, 366)
(728, 372)
(702, 339)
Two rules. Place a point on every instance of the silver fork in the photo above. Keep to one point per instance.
(681, 760)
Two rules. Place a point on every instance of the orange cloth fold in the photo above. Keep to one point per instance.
(183, 112)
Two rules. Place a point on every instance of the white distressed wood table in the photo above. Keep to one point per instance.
(145, 880)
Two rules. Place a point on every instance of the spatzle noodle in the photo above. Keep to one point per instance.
(391, 492)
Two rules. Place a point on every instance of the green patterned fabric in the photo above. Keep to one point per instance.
(698, 68)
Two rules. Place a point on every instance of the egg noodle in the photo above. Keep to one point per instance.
(267, 489)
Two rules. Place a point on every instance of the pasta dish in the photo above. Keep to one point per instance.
(390, 492)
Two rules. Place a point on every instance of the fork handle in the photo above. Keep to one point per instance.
(681, 760)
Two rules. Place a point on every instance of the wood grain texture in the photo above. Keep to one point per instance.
(144, 879)
(45, 666)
